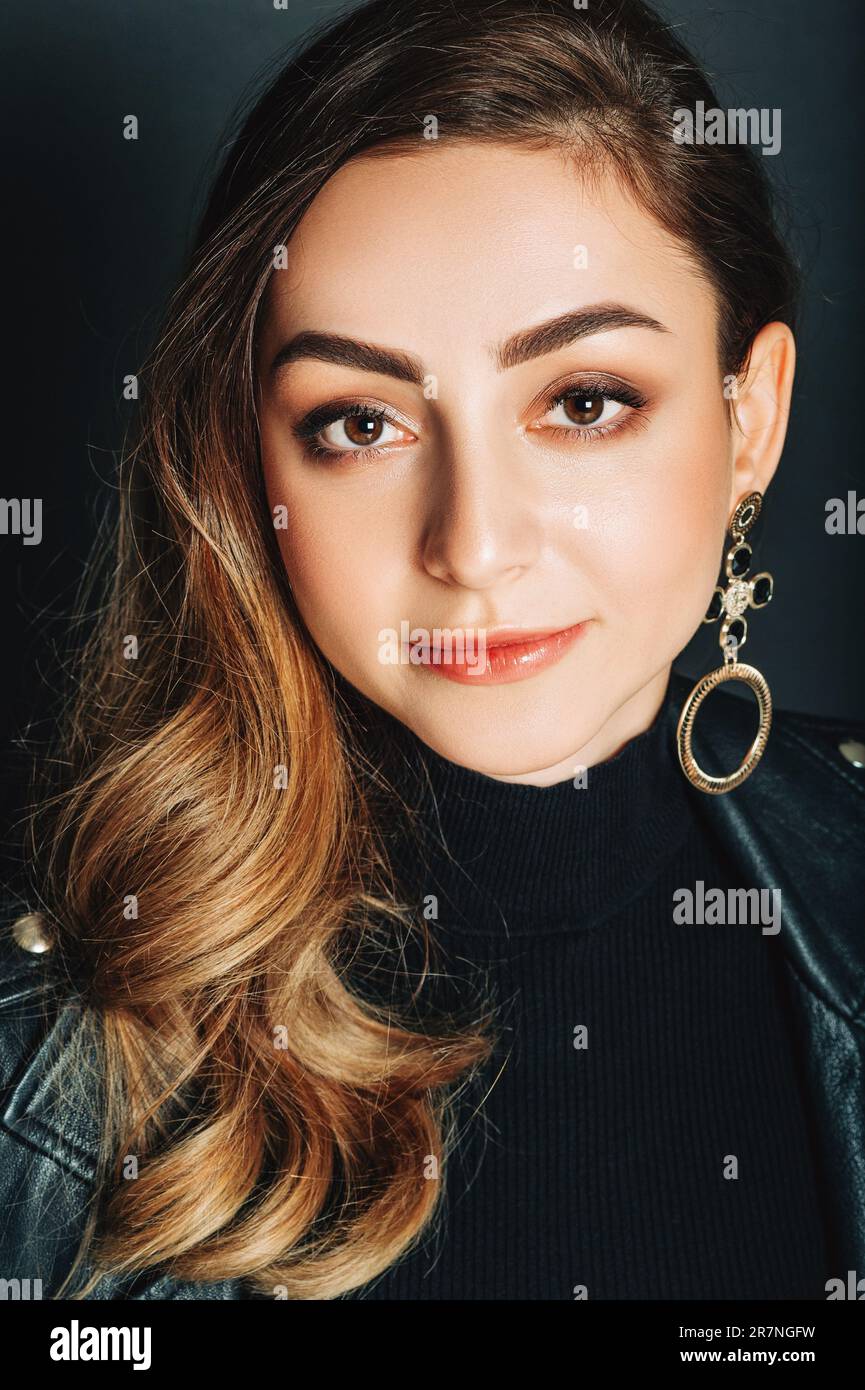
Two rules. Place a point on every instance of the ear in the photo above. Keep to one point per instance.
(762, 408)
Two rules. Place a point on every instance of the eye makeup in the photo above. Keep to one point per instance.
(319, 419)
(584, 389)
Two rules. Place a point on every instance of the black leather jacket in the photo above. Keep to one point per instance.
(797, 824)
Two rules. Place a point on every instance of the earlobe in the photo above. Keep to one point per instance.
(761, 410)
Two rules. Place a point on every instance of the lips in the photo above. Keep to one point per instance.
(512, 654)
(518, 636)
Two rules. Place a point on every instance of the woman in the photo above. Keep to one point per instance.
(401, 932)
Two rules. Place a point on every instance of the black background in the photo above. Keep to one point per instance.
(98, 227)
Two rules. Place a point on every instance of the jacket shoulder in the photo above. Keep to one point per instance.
(47, 1062)
(45, 1160)
(796, 824)
(820, 753)
(837, 743)
(30, 988)
(50, 1102)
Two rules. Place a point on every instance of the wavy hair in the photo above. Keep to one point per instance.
(215, 845)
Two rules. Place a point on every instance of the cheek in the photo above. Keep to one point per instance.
(656, 553)
(340, 564)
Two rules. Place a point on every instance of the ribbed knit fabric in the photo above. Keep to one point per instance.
(604, 1167)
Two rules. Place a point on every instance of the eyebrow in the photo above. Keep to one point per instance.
(520, 347)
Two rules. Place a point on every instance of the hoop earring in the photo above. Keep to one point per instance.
(731, 602)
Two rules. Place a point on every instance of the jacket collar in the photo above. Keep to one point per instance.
(54, 1069)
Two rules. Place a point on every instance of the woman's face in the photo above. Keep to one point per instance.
(463, 493)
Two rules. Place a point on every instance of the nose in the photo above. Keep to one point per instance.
(482, 528)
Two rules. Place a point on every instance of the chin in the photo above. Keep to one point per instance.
(502, 751)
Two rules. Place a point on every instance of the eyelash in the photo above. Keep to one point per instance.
(319, 419)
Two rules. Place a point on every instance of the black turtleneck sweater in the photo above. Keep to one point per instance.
(602, 1170)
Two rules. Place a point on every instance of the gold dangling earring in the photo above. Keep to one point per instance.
(740, 594)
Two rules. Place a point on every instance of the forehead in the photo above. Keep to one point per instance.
(480, 238)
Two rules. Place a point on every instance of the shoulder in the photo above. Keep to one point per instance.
(50, 1101)
(46, 1155)
(30, 987)
(797, 824)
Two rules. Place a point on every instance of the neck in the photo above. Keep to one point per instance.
(495, 852)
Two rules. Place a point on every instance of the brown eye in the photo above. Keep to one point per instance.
(584, 410)
(356, 429)
(362, 429)
(576, 411)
